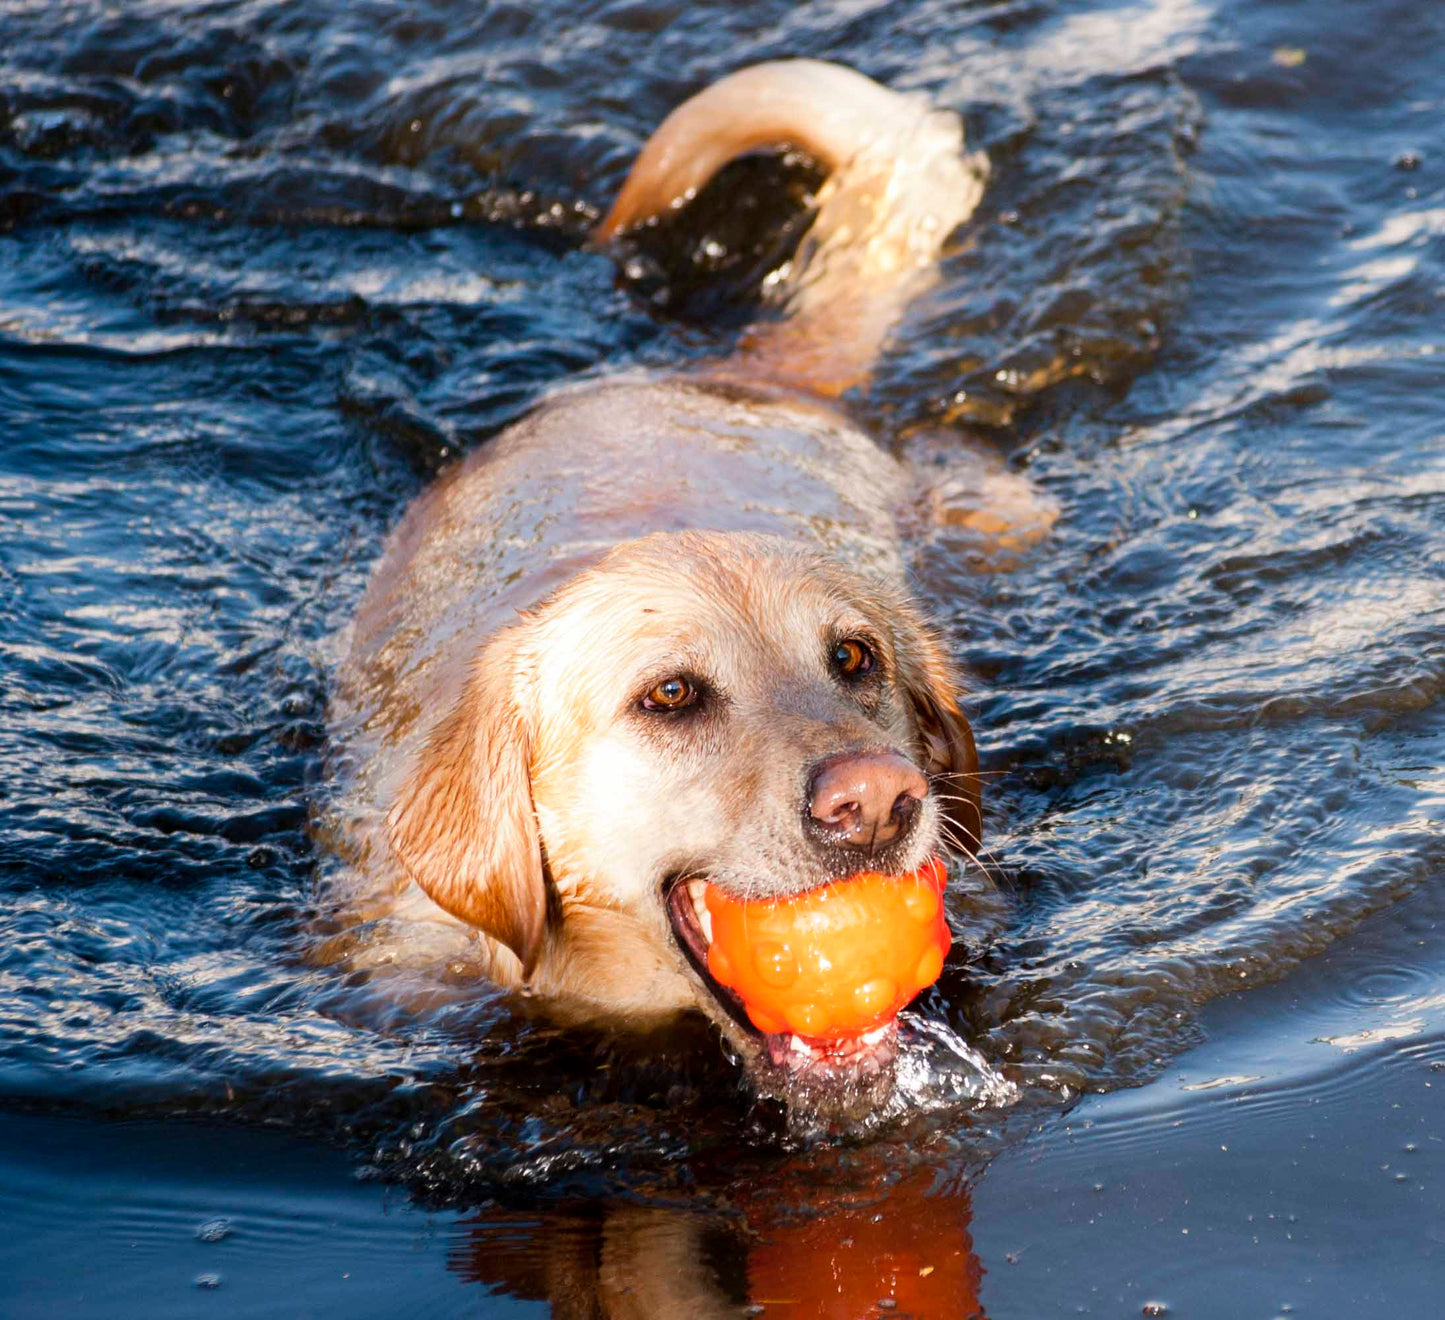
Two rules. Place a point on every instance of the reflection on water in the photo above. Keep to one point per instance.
(265, 268)
(875, 1242)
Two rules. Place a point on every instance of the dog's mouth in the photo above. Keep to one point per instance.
(849, 1059)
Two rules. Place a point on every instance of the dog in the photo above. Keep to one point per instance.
(659, 633)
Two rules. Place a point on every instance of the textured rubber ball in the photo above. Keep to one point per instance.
(833, 962)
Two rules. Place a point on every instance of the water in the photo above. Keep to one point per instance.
(264, 268)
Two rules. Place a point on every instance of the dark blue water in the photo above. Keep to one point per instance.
(265, 268)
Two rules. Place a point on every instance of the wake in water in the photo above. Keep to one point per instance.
(939, 1070)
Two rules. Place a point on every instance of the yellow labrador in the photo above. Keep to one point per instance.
(658, 633)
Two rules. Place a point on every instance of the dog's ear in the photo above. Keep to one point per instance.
(463, 825)
(931, 685)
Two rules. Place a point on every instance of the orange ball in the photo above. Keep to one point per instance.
(834, 962)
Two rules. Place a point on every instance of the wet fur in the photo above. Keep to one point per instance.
(507, 808)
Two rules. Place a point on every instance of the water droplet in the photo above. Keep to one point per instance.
(776, 965)
(214, 1230)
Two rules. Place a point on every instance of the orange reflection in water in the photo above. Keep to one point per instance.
(906, 1253)
(885, 1249)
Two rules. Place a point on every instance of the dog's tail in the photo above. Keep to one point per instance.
(897, 185)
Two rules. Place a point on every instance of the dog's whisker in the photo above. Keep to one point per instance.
(958, 845)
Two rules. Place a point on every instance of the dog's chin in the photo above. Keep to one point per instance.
(844, 1080)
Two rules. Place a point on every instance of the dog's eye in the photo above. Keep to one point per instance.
(671, 694)
(852, 658)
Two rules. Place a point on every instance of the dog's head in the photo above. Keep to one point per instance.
(697, 708)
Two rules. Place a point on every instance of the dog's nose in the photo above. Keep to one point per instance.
(865, 801)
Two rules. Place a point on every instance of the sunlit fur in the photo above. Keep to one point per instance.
(511, 810)
(549, 754)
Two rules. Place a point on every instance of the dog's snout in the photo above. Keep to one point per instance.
(865, 801)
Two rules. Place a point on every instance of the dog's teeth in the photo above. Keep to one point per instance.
(798, 1045)
(697, 891)
(874, 1036)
